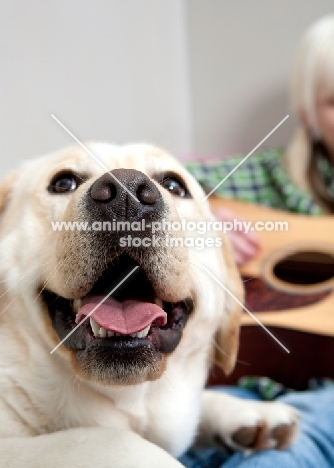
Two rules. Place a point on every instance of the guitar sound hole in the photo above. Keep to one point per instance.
(305, 268)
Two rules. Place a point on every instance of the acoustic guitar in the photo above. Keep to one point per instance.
(289, 286)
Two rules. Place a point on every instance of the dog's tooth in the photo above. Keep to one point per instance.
(76, 305)
(103, 332)
(158, 302)
(110, 333)
(144, 332)
(95, 326)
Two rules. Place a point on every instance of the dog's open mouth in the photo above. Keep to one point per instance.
(133, 317)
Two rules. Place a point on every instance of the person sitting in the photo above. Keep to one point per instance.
(301, 180)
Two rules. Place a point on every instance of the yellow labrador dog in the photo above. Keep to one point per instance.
(125, 387)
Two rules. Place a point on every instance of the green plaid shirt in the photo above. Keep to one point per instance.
(261, 179)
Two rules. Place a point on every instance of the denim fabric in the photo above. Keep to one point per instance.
(314, 447)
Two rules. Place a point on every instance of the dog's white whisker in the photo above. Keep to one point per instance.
(35, 268)
(56, 267)
(39, 294)
(26, 287)
(3, 311)
(13, 286)
(51, 275)
(20, 278)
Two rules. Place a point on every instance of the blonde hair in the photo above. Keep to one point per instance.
(312, 81)
(313, 71)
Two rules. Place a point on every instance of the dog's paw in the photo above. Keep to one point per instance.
(261, 425)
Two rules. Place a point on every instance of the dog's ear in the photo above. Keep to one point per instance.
(5, 189)
(227, 337)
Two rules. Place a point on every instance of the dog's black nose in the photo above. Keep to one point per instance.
(126, 194)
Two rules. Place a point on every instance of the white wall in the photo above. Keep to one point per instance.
(240, 57)
(194, 76)
(112, 70)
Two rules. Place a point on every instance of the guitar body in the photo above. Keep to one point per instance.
(290, 288)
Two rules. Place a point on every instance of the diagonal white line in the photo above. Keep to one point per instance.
(96, 307)
(94, 157)
(245, 308)
(241, 162)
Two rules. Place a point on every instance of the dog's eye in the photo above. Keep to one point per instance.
(64, 183)
(174, 186)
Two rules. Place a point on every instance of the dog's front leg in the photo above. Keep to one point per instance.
(245, 424)
(84, 448)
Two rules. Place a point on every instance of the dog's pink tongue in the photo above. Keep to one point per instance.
(123, 317)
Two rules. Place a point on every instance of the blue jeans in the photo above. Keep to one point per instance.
(314, 447)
